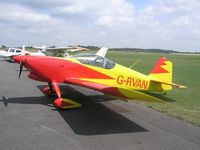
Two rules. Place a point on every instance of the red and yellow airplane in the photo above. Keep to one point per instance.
(97, 73)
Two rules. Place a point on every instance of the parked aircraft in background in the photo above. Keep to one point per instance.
(65, 51)
(77, 48)
(60, 51)
(98, 73)
(9, 53)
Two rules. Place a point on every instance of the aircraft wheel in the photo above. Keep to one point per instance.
(66, 104)
(48, 92)
(58, 102)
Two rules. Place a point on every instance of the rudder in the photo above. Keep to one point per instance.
(162, 72)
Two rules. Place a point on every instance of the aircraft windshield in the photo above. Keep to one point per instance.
(6, 50)
(12, 50)
(18, 51)
(94, 60)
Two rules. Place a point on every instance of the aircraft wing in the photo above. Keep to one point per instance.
(5, 55)
(53, 48)
(87, 84)
(118, 92)
(59, 48)
(70, 48)
(63, 51)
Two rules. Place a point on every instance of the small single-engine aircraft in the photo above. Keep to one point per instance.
(97, 73)
(59, 51)
(9, 52)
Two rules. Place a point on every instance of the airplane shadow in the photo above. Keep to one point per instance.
(161, 96)
(27, 100)
(93, 118)
(96, 119)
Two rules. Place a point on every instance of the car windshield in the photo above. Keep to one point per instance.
(94, 60)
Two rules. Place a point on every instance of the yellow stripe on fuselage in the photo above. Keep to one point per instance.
(122, 77)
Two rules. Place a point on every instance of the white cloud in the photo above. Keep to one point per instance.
(19, 16)
(182, 21)
(117, 23)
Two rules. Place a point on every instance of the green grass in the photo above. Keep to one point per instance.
(182, 103)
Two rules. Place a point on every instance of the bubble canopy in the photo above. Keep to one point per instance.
(94, 60)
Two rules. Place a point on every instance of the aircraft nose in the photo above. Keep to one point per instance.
(19, 59)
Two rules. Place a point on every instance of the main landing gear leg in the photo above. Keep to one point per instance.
(63, 103)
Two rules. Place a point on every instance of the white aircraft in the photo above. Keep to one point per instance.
(9, 53)
(77, 48)
(60, 51)
(57, 51)
(101, 52)
(42, 51)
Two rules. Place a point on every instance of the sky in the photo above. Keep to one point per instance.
(164, 24)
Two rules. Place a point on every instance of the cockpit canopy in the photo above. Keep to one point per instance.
(94, 60)
(13, 50)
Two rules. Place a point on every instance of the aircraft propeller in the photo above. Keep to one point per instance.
(5, 101)
(20, 69)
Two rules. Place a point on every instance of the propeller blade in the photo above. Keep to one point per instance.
(5, 101)
(20, 69)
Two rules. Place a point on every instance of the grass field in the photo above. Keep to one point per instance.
(181, 103)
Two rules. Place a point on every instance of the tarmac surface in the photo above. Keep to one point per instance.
(29, 121)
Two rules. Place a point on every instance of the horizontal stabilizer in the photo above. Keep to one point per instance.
(172, 84)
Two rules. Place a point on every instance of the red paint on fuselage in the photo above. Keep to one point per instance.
(37, 78)
(55, 69)
(47, 69)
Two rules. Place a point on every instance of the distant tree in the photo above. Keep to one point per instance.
(90, 47)
(3, 46)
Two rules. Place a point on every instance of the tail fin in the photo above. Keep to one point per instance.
(102, 52)
(23, 47)
(162, 73)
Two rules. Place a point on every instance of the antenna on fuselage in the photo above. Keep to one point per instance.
(135, 63)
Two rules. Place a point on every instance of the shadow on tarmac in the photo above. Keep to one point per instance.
(93, 118)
